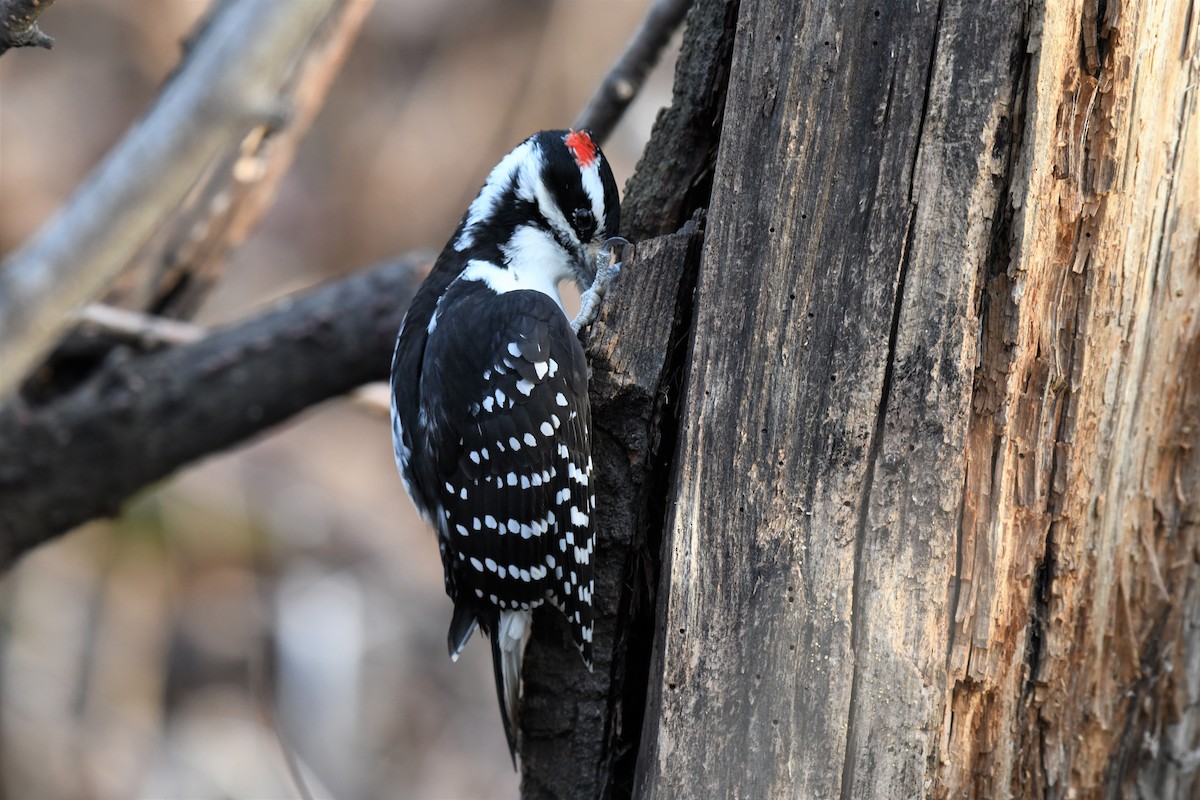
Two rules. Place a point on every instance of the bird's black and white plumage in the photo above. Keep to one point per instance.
(490, 415)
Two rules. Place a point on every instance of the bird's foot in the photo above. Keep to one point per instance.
(612, 256)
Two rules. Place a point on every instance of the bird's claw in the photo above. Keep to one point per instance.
(612, 256)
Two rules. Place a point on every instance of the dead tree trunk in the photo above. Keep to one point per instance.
(932, 526)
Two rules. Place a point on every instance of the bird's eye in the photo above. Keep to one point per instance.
(584, 220)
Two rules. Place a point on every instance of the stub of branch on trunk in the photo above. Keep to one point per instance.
(19, 24)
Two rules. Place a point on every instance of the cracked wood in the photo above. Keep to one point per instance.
(934, 531)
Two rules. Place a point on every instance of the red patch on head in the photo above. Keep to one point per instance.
(582, 147)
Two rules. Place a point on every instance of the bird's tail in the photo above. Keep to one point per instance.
(508, 651)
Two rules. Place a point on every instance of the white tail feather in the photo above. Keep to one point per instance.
(512, 635)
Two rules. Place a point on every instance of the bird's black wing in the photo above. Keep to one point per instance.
(504, 394)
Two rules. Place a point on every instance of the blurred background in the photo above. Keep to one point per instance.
(279, 610)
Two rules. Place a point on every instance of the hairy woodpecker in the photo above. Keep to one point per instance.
(490, 417)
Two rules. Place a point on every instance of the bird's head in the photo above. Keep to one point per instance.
(549, 205)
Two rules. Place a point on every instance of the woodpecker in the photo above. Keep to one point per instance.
(490, 417)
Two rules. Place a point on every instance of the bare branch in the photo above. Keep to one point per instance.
(174, 272)
(230, 85)
(138, 418)
(18, 24)
(626, 77)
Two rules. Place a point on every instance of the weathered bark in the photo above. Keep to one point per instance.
(933, 529)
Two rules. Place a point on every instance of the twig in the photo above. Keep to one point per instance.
(624, 80)
(146, 329)
(230, 85)
(18, 24)
(139, 418)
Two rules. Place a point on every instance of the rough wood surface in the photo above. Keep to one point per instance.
(934, 529)
(1075, 668)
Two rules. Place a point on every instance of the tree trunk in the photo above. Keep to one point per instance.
(932, 529)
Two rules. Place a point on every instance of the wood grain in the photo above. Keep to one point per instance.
(933, 531)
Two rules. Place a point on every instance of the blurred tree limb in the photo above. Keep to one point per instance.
(19, 24)
(173, 273)
(140, 417)
(234, 88)
(614, 94)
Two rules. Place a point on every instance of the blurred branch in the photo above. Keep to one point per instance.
(18, 24)
(173, 273)
(138, 418)
(230, 85)
(145, 329)
(624, 80)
